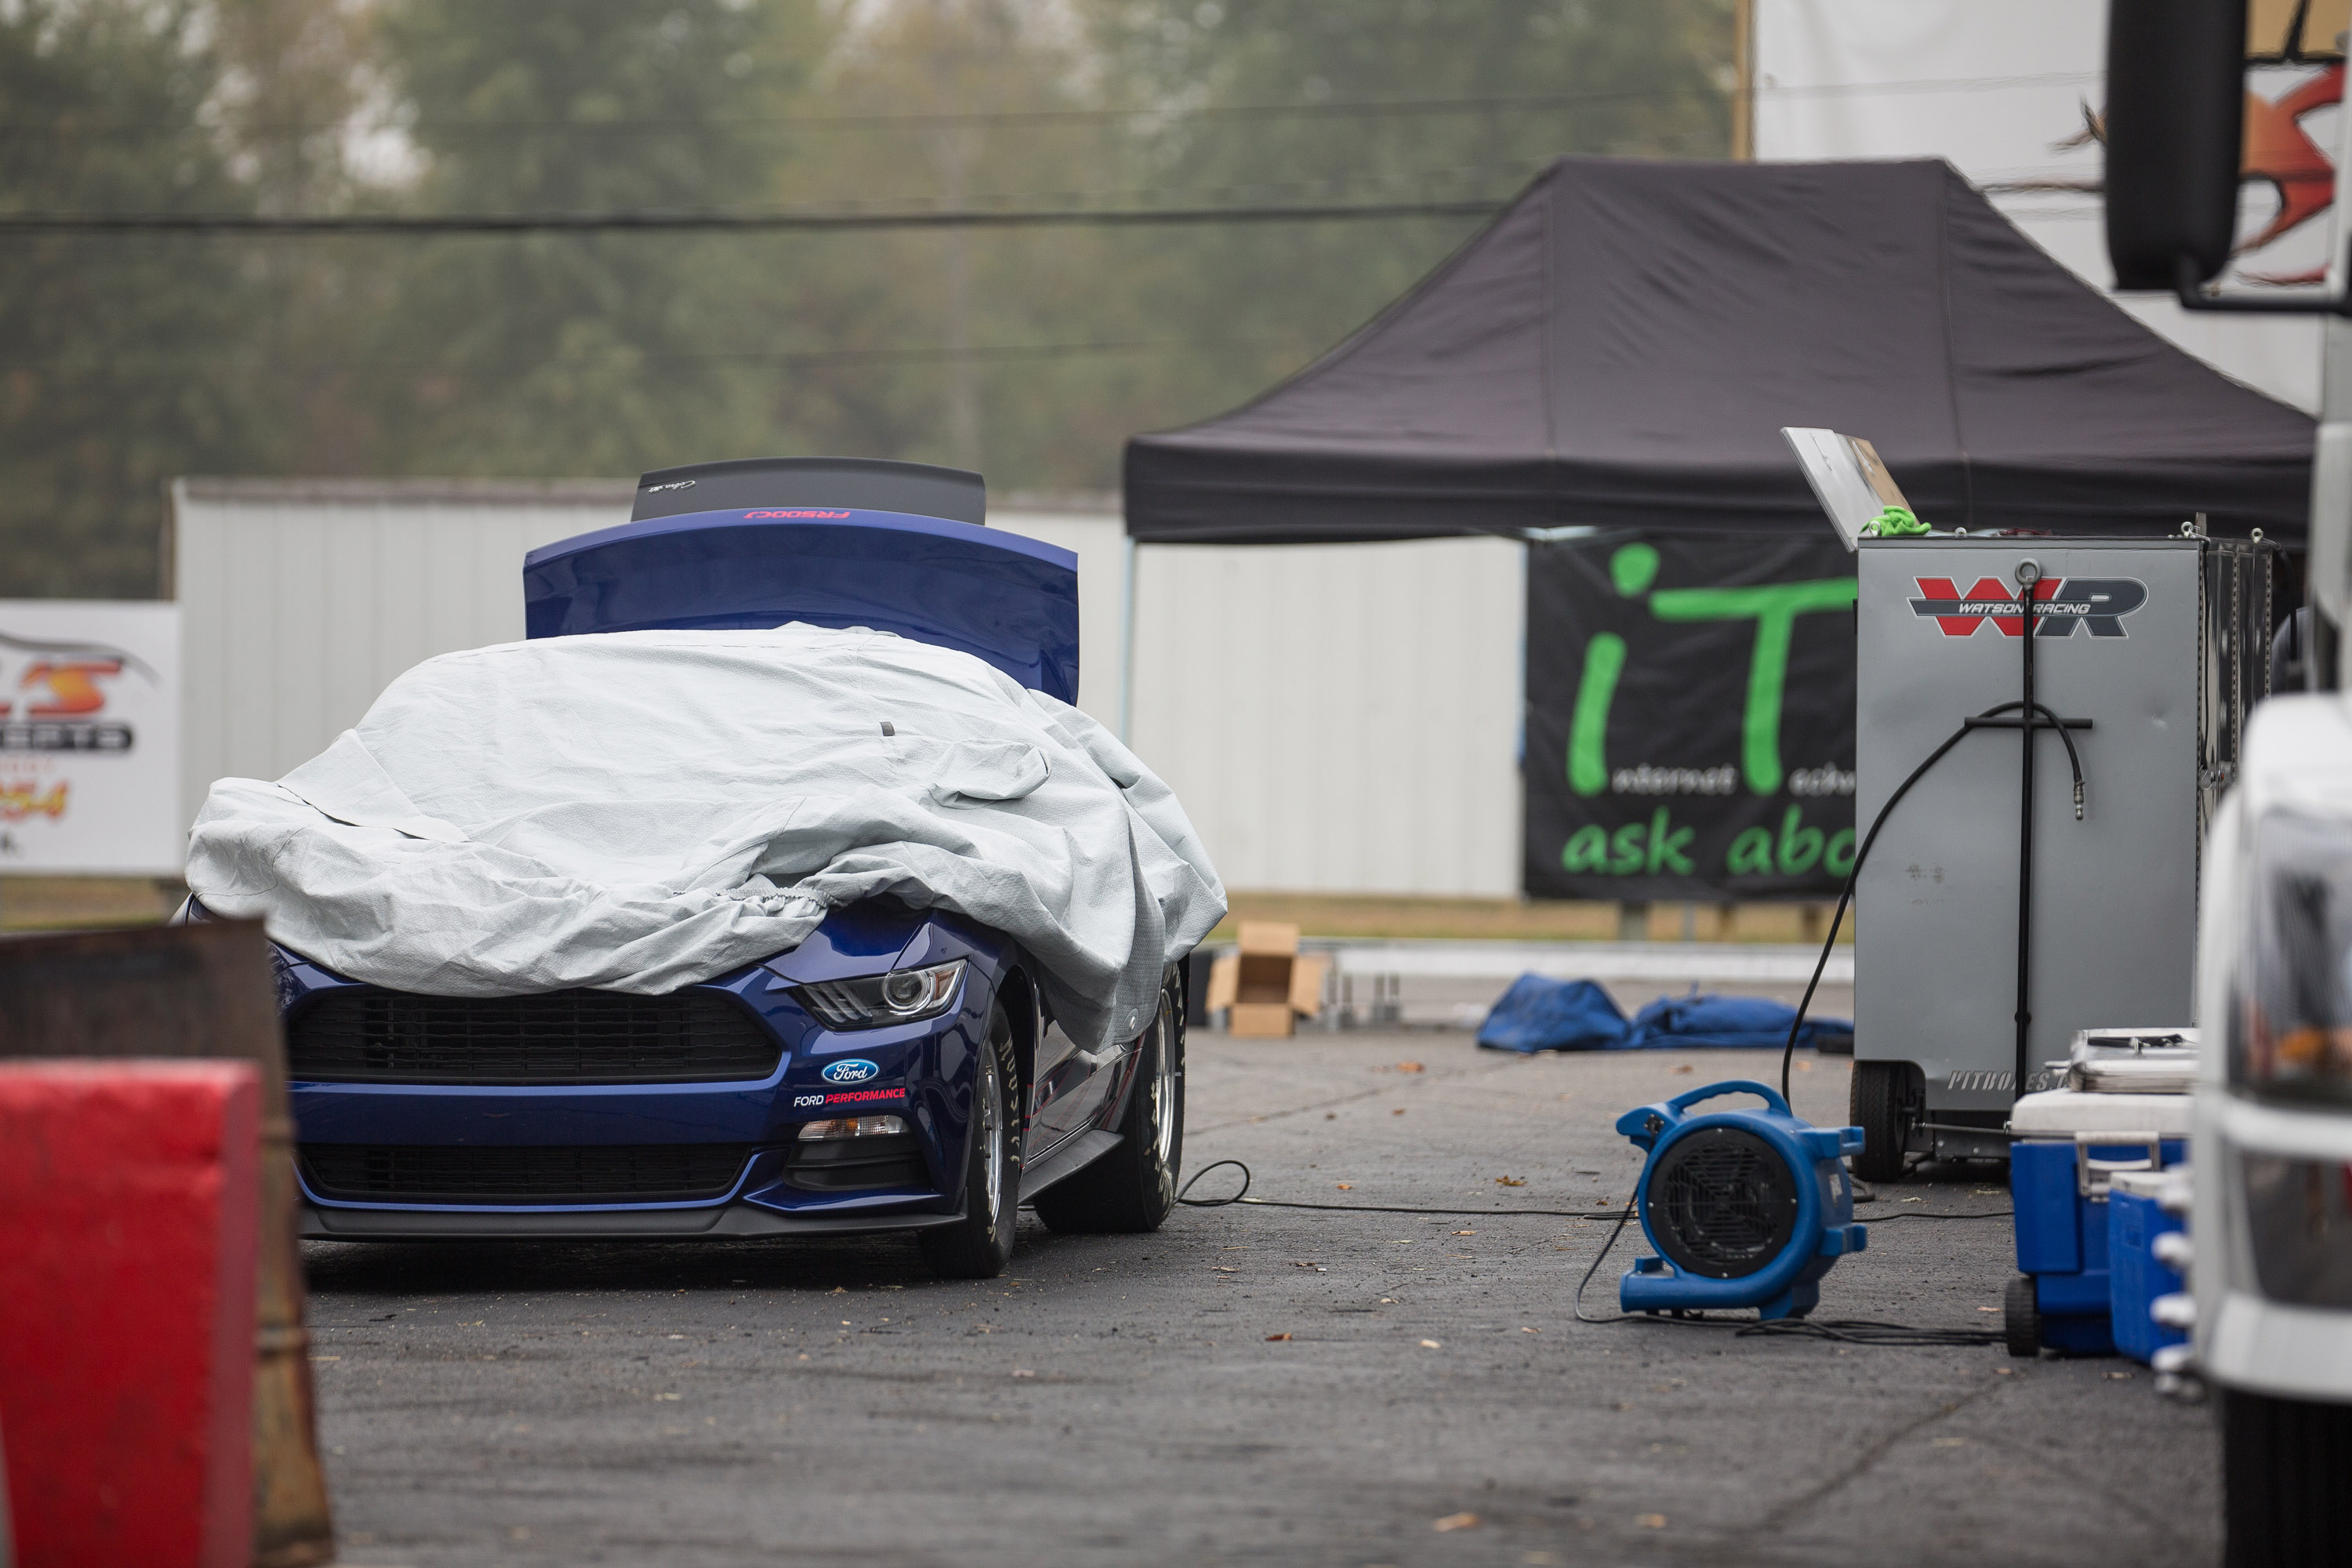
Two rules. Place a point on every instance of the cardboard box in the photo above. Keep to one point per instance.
(1265, 985)
(1269, 1020)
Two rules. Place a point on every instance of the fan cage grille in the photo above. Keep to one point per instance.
(1722, 1202)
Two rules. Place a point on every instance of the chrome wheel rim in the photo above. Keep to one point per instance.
(1163, 1098)
(991, 1131)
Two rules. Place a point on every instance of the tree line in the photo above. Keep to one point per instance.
(1031, 354)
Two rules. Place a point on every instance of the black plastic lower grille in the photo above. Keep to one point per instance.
(396, 1173)
(367, 1036)
(856, 1165)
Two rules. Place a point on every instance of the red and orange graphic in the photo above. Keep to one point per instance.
(21, 801)
(71, 687)
(2279, 152)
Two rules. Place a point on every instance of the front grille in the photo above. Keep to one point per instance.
(366, 1035)
(1722, 1202)
(394, 1173)
(856, 1164)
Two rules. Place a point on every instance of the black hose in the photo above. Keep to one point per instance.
(1989, 719)
(1845, 895)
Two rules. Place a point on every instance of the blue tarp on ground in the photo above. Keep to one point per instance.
(1540, 1014)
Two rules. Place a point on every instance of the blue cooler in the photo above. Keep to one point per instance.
(2070, 1146)
(2137, 1215)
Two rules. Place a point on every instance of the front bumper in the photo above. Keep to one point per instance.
(384, 1130)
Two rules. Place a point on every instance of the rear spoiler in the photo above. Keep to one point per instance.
(854, 484)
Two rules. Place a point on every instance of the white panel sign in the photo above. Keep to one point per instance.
(2010, 91)
(89, 737)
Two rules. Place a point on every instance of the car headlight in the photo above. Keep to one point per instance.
(901, 996)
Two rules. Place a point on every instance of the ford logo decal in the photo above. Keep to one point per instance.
(851, 1070)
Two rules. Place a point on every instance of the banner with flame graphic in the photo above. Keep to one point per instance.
(2013, 92)
(89, 738)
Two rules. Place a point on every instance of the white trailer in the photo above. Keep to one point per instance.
(2270, 1268)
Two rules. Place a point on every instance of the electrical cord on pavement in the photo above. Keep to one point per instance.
(1242, 1198)
(1845, 895)
(1844, 1331)
(1577, 1303)
(1618, 1214)
(1862, 1331)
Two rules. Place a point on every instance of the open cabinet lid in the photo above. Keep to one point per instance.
(1847, 478)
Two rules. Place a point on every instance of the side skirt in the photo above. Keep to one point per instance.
(1074, 1155)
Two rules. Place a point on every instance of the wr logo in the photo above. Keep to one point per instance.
(2060, 605)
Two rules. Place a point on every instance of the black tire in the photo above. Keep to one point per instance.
(980, 1245)
(1878, 1102)
(2020, 1317)
(2283, 1462)
(1133, 1187)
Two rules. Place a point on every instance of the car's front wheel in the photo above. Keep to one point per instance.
(1133, 1187)
(980, 1245)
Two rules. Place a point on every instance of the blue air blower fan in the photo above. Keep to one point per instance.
(1746, 1208)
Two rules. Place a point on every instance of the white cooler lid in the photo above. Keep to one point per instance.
(2063, 1112)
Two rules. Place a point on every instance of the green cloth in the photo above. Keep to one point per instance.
(1895, 522)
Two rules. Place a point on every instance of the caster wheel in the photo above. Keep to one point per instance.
(2020, 1317)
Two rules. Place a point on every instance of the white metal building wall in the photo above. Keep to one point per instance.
(1335, 718)
(301, 600)
(1338, 717)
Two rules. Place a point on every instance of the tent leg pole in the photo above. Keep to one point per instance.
(1126, 644)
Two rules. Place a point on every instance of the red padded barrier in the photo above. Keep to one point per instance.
(127, 1209)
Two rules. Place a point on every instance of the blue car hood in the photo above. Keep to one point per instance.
(863, 939)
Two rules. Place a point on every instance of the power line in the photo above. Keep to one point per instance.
(1405, 108)
(1328, 109)
(901, 353)
(723, 222)
(933, 353)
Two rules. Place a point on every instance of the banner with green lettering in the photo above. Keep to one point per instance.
(1690, 716)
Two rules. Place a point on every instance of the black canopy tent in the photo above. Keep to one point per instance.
(1623, 345)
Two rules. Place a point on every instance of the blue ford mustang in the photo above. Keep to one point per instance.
(899, 1071)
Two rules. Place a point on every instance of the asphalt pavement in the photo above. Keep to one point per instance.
(1250, 1384)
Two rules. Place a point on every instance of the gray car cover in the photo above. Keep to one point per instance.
(638, 811)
